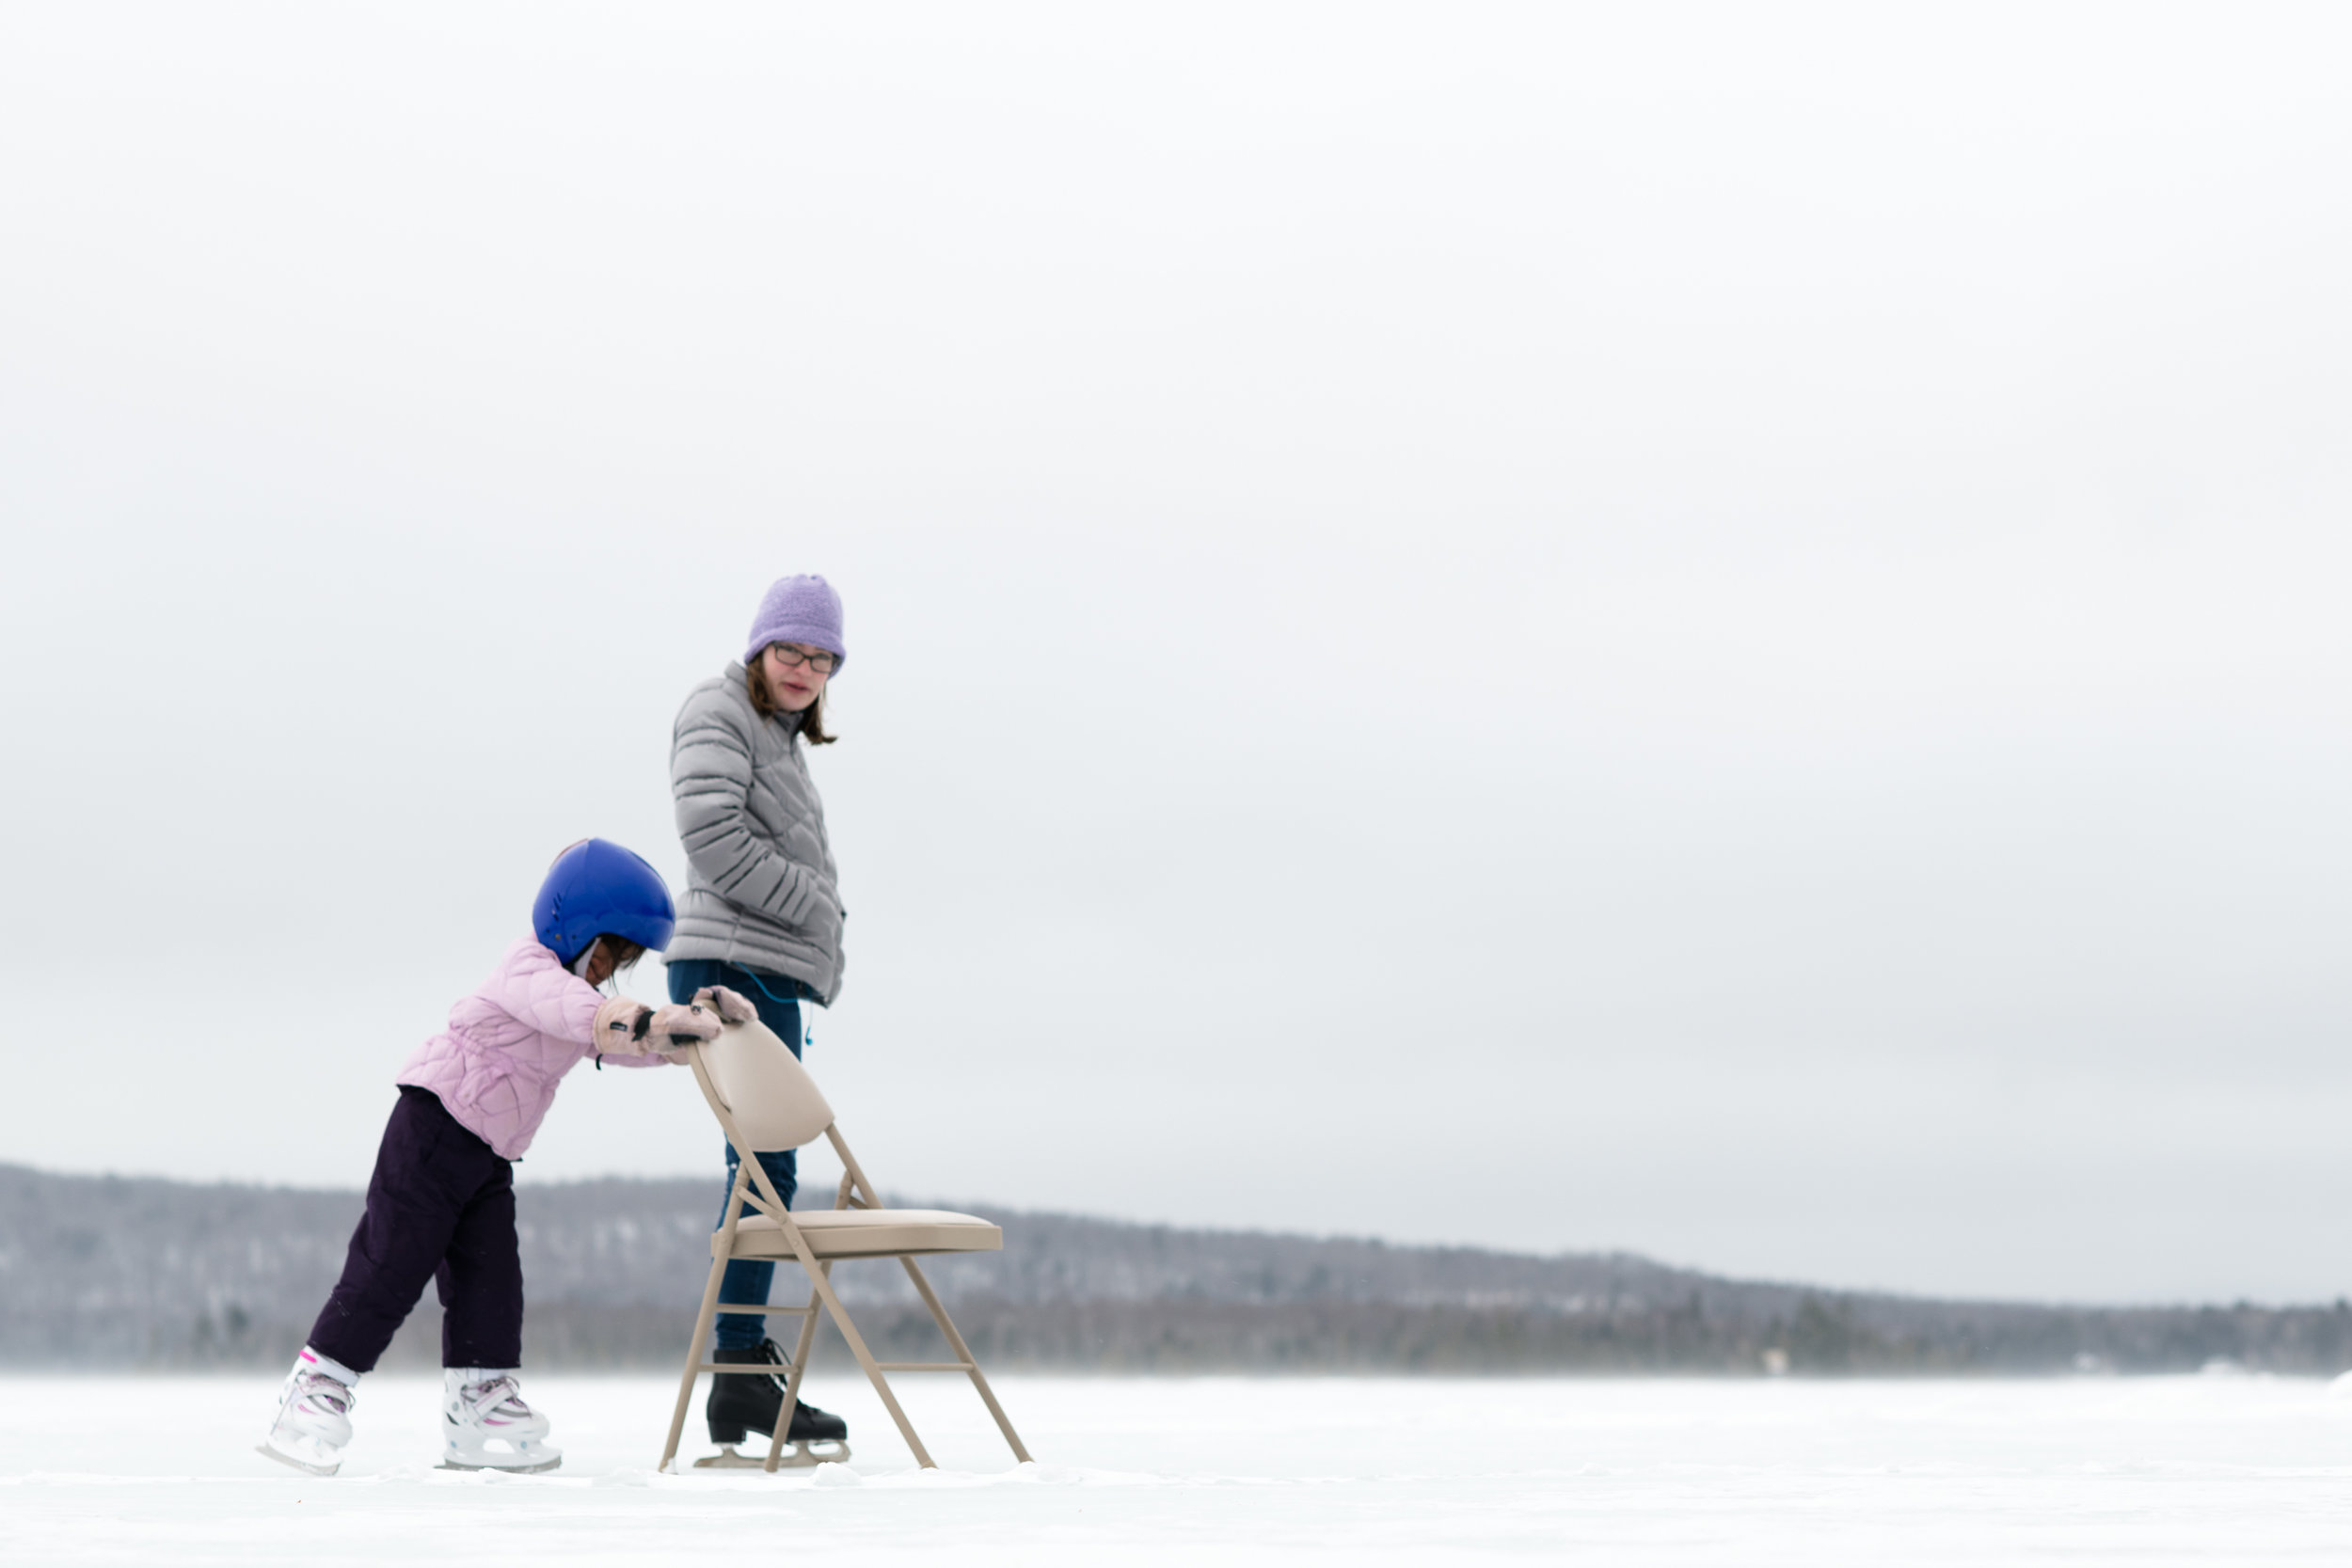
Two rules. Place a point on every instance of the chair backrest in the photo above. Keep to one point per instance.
(762, 1086)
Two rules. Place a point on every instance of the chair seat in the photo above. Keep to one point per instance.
(865, 1233)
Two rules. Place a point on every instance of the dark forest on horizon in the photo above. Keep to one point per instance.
(179, 1276)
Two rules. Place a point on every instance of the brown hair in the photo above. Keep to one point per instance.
(812, 717)
(622, 951)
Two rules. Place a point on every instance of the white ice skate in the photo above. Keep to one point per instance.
(487, 1426)
(313, 1415)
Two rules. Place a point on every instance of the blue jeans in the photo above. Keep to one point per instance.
(778, 998)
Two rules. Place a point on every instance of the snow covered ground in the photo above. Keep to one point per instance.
(2153, 1470)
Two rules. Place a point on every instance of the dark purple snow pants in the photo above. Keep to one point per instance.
(440, 1207)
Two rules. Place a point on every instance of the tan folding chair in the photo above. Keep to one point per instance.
(765, 1099)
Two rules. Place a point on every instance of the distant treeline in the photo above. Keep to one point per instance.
(111, 1271)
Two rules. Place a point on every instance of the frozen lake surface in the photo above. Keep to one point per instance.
(2150, 1471)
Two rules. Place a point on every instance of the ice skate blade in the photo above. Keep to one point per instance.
(540, 1468)
(798, 1456)
(293, 1464)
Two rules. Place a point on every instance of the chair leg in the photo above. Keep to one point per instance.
(703, 1319)
(865, 1359)
(792, 1383)
(709, 1313)
(963, 1354)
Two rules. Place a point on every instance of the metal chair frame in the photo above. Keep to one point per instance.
(752, 1190)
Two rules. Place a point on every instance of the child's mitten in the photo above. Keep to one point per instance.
(731, 1005)
(620, 1028)
(691, 1022)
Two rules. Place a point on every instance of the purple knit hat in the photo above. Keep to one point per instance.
(801, 609)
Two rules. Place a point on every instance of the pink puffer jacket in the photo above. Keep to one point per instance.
(496, 1066)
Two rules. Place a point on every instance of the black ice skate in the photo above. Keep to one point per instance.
(742, 1403)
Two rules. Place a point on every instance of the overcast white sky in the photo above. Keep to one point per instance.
(1718, 631)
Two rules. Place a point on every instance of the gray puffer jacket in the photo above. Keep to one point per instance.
(759, 886)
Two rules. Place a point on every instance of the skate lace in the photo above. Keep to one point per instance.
(319, 1389)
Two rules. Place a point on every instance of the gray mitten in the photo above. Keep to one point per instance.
(731, 1005)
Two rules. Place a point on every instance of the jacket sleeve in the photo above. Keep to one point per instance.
(710, 780)
(532, 989)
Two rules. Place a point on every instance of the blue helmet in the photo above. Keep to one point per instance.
(593, 887)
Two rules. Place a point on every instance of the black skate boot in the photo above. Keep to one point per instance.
(743, 1403)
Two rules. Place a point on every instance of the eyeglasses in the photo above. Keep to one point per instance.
(793, 659)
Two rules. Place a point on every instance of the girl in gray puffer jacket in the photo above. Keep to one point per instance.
(762, 911)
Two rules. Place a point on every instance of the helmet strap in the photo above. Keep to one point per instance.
(612, 986)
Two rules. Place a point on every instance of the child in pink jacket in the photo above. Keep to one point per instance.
(441, 1202)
